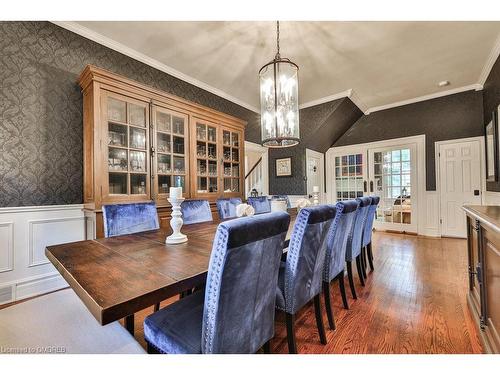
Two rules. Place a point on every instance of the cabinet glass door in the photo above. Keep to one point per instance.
(170, 140)
(231, 161)
(392, 176)
(349, 176)
(206, 158)
(127, 147)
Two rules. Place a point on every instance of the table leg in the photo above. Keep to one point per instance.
(129, 324)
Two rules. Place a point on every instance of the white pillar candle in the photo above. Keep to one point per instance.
(175, 192)
(315, 189)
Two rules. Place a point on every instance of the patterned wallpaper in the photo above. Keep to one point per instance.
(41, 109)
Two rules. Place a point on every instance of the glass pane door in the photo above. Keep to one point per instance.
(392, 174)
(231, 161)
(349, 176)
(170, 151)
(127, 134)
(206, 158)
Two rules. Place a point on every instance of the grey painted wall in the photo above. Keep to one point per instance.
(320, 127)
(491, 94)
(450, 117)
(41, 109)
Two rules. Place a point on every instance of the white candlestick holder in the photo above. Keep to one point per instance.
(315, 195)
(176, 222)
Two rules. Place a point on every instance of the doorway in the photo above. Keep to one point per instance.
(256, 169)
(392, 172)
(459, 182)
(315, 167)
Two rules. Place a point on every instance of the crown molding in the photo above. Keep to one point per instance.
(488, 65)
(116, 46)
(475, 86)
(325, 99)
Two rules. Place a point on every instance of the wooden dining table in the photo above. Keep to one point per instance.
(118, 276)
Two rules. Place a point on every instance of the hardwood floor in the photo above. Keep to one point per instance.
(414, 302)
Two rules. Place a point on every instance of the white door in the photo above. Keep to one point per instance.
(392, 177)
(460, 183)
(315, 172)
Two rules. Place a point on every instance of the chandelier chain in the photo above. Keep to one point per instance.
(278, 39)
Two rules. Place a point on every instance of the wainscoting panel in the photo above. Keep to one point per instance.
(24, 234)
(6, 246)
(43, 233)
(491, 198)
(430, 218)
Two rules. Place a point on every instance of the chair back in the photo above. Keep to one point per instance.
(338, 234)
(284, 197)
(240, 294)
(129, 218)
(260, 204)
(354, 241)
(306, 256)
(227, 207)
(196, 211)
(367, 232)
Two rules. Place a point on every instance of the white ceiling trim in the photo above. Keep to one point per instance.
(105, 41)
(330, 98)
(494, 54)
(475, 86)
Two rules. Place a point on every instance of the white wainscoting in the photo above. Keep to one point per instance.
(490, 198)
(430, 215)
(24, 234)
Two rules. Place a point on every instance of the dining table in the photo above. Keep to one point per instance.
(117, 277)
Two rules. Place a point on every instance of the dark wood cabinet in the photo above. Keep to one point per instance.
(483, 236)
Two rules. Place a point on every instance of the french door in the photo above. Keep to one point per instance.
(388, 172)
(392, 177)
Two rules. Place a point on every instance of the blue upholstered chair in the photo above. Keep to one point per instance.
(196, 211)
(338, 234)
(354, 242)
(260, 204)
(227, 207)
(301, 274)
(236, 312)
(282, 197)
(367, 232)
(129, 218)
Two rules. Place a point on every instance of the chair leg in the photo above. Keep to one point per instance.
(319, 319)
(351, 280)
(360, 272)
(363, 261)
(290, 333)
(328, 305)
(370, 255)
(151, 349)
(267, 347)
(342, 290)
(157, 306)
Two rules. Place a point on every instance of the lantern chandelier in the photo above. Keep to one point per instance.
(279, 107)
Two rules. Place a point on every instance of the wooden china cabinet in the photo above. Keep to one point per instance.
(140, 141)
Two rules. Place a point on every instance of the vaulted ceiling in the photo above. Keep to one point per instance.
(378, 63)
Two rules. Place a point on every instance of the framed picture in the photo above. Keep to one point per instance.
(283, 167)
(491, 148)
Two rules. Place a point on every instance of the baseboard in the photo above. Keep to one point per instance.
(33, 286)
(39, 285)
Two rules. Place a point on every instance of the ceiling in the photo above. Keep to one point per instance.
(380, 62)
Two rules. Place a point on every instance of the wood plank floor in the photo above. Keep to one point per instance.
(414, 302)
